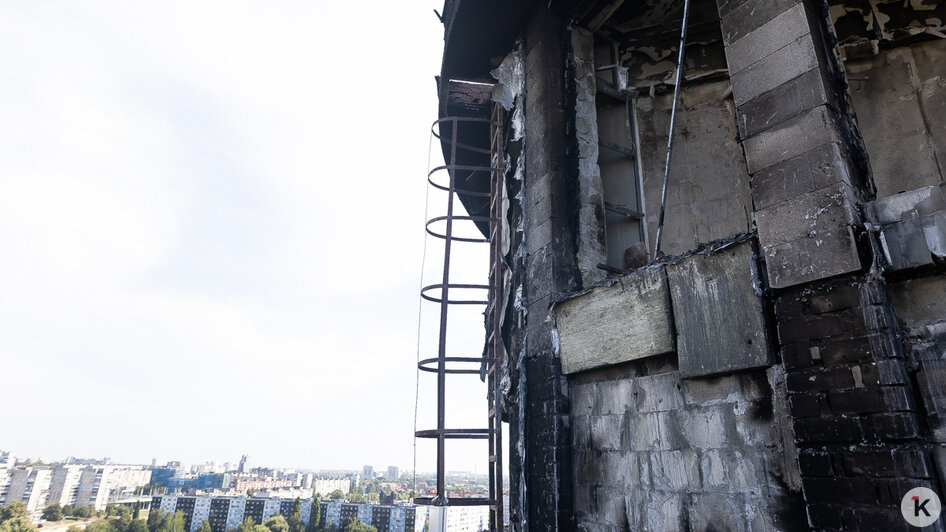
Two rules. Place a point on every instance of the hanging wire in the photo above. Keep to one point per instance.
(420, 308)
(673, 120)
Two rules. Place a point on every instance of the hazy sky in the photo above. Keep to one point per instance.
(211, 227)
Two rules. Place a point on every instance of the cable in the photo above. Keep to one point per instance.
(420, 307)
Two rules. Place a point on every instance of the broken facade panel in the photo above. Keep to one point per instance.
(783, 367)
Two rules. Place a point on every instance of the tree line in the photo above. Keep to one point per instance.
(15, 518)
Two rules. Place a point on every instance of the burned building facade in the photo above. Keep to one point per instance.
(780, 364)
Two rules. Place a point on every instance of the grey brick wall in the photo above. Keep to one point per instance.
(656, 452)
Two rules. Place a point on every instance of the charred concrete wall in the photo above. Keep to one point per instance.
(783, 369)
(895, 59)
(710, 197)
(654, 451)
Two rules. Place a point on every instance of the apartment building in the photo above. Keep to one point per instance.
(384, 517)
(225, 513)
(459, 518)
(101, 485)
(324, 486)
(64, 486)
(4, 480)
(29, 485)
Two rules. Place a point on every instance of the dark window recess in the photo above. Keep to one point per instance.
(617, 159)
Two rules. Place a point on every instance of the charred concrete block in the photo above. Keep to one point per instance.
(815, 169)
(615, 397)
(739, 17)
(808, 259)
(783, 102)
(776, 33)
(659, 393)
(708, 428)
(809, 237)
(781, 66)
(656, 511)
(718, 312)
(892, 122)
(801, 134)
(716, 511)
(626, 321)
(913, 227)
(898, 207)
(675, 470)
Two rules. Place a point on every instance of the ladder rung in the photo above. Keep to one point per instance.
(616, 148)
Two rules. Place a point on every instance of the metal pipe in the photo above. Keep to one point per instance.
(673, 122)
(442, 347)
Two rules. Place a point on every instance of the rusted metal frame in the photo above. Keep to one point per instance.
(442, 344)
(497, 511)
(441, 433)
(423, 365)
(681, 66)
(444, 297)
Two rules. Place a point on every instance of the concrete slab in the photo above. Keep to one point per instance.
(626, 321)
(717, 313)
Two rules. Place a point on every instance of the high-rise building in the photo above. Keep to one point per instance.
(367, 472)
(7, 459)
(244, 464)
(393, 474)
(391, 518)
(459, 518)
(65, 484)
(31, 486)
(101, 485)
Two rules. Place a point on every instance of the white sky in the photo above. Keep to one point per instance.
(211, 224)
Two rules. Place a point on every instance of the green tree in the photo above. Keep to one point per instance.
(17, 524)
(84, 512)
(277, 523)
(173, 523)
(248, 525)
(74, 528)
(102, 525)
(123, 523)
(14, 510)
(53, 512)
(135, 513)
(68, 510)
(315, 514)
(295, 517)
(155, 516)
(358, 526)
(336, 495)
(204, 526)
(138, 525)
